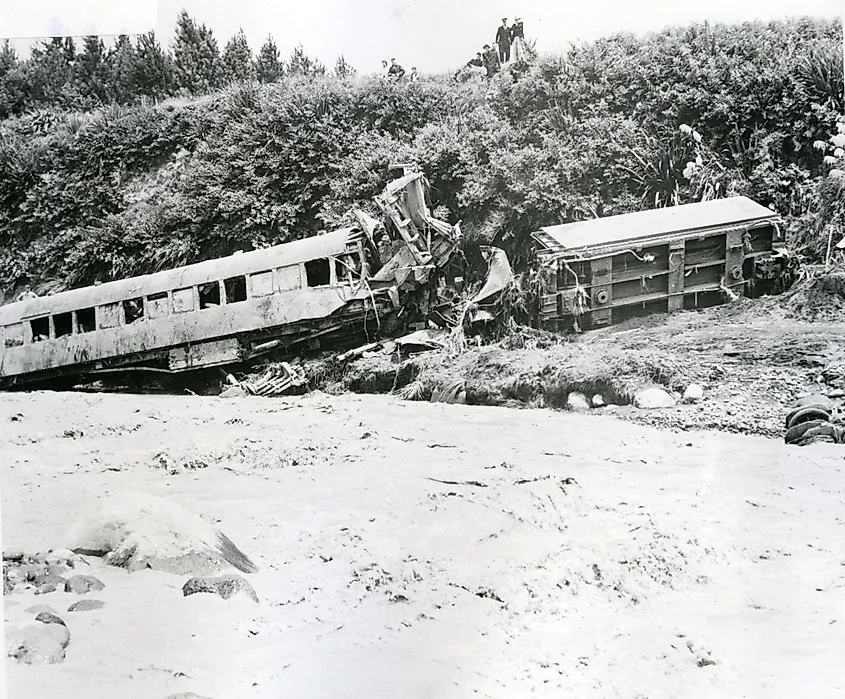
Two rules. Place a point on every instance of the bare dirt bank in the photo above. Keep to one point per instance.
(417, 550)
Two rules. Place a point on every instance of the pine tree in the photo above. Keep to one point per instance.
(196, 57)
(8, 58)
(302, 64)
(91, 74)
(49, 72)
(13, 93)
(343, 69)
(153, 68)
(237, 59)
(122, 68)
(268, 67)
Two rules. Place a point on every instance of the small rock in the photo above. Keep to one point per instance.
(694, 393)
(81, 584)
(651, 398)
(86, 605)
(598, 400)
(34, 643)
(49, 618)
(14, 555)
(577, 401)
(47, 583)
(225, 586)
(233, 392)
(40, 609)
(187, 695)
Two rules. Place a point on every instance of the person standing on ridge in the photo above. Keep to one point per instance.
(518, 41)
(491, 60)
(503, 41)
(396, 71)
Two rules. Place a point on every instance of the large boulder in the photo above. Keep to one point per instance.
(81, 584)
(36, 643)
(653, 398)
(577, 401)
(137, 531)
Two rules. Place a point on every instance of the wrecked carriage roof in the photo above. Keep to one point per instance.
(292, 253)
(655, 223)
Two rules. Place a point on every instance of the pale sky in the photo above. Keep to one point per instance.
(434, 35)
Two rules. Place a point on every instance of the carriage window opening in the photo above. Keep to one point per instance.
(14, 335)
(133, 310)
(63, 324)
(40, 329)
(109, 315)
(261, 284)
(348, 269)
(289, 278)
(209, 295)
(235, 289)
(157, 305)
(318, 272)
(86, 320)
(183, 300)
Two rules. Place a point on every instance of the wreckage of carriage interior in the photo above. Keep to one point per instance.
(603, 271)
(380, 277)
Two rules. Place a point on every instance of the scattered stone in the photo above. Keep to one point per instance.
(187, 695)
(40, 609)
(34, 643)
(598, 400)
(577, 401)
(694, 393)
(86, 605)
(653, 398)
(224, 586)
(47, 583)
(233, 392)
(81, 584)
(49, 618)
(13, 555)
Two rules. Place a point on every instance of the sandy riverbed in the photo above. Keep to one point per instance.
(569, 556)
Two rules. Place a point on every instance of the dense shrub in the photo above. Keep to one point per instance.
(613, 126)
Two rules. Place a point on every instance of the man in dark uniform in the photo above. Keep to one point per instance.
(503, 40)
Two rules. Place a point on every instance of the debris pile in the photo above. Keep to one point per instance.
(814, 419)
(277, 380)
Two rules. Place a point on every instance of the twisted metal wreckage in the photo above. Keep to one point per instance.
(384, 277)
(377, 279)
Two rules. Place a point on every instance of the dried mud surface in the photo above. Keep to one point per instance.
(420, 550)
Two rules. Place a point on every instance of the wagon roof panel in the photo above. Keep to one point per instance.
(654, 223)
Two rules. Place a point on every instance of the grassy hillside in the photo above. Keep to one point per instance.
(616, 125)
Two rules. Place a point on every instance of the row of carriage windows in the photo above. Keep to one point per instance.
(209, 295)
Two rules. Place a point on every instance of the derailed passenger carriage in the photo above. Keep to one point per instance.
(345, 283)
(603, 271)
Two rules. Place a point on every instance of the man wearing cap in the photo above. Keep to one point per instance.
(503, 40)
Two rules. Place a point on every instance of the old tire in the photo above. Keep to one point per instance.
(797, 432)
(805, 414)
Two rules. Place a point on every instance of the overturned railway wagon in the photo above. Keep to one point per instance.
(604, 271)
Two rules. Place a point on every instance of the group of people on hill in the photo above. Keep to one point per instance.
(510, 46)
(394, 71)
